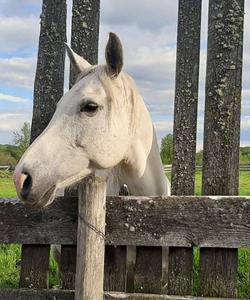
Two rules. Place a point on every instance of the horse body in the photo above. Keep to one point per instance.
(100, 126)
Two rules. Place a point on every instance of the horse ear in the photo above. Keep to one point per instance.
(78, 63)
(114, 55)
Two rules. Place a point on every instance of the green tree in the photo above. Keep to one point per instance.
(199, 158)
(167, 149)
(22, 139)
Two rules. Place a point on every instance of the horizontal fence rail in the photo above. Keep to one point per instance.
(43, 294)
(179, 221)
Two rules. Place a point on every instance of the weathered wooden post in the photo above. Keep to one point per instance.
(185, 123)
(91, 239)
(48, 90)
(222, 133)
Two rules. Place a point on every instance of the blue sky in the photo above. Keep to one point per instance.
(149, 39)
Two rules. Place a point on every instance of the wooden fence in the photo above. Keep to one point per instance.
(162, 230)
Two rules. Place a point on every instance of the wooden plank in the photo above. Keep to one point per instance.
(39, 294)
(218, 264)
(56, 224)
(91, 239)
(68, 267)
(114, 296)
(35, 294)
(180, 271)
(115, 268)
(48, 89)
(185, 124)
(178, 221)
(148, 270)
(118, 275)
(34, 266)
(222, 131)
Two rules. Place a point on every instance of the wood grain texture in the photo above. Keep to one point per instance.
(34, 266)
(56, 224)
(178, 221)
(114, 296)
(115, 268)
(34, 294)
(181, 221)
(85, 31)
(68, 267)
(91, 239)
(180, 262)
(148, 270)
(222, 132)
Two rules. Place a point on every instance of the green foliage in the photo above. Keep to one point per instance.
(199, 158)
(22, 138)
(167, 149)
(244, 156)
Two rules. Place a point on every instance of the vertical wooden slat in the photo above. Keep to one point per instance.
(148, 270)
(222, 132)
(68, 267)
(34, 266)
(48, 90)
(84, 41)
(115, 268)
(91, 239)
(85, 30)
(185, 123)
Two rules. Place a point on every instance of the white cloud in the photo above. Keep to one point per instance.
(17, 33)
(10, 98)
(17, 72)
(11, 121)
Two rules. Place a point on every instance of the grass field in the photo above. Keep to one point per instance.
(10, 255)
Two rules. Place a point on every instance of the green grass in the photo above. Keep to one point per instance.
(10, 255)
(7, 188)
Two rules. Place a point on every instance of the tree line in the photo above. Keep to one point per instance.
(166, 150)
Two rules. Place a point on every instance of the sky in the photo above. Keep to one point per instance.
(148, 30)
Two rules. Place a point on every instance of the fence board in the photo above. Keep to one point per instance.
(68, 267)
(222, 131)
(34, 266)
(185, 122)
(34, 294)
(116, 296)
(179, 221)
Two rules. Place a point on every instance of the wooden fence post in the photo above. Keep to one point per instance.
(91, 239)
(48, 90)
(222, 132)
(185, 123)
(84, 41)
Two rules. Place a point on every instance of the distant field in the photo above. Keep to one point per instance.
(244, 185)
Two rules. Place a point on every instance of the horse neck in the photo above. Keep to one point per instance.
(142, 169)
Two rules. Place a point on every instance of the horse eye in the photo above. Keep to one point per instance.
(89, 107)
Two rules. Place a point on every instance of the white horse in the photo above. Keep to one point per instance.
(102, 126)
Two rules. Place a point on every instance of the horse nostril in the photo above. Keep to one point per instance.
(26, 186)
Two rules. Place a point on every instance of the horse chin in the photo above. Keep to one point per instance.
(46, 199)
